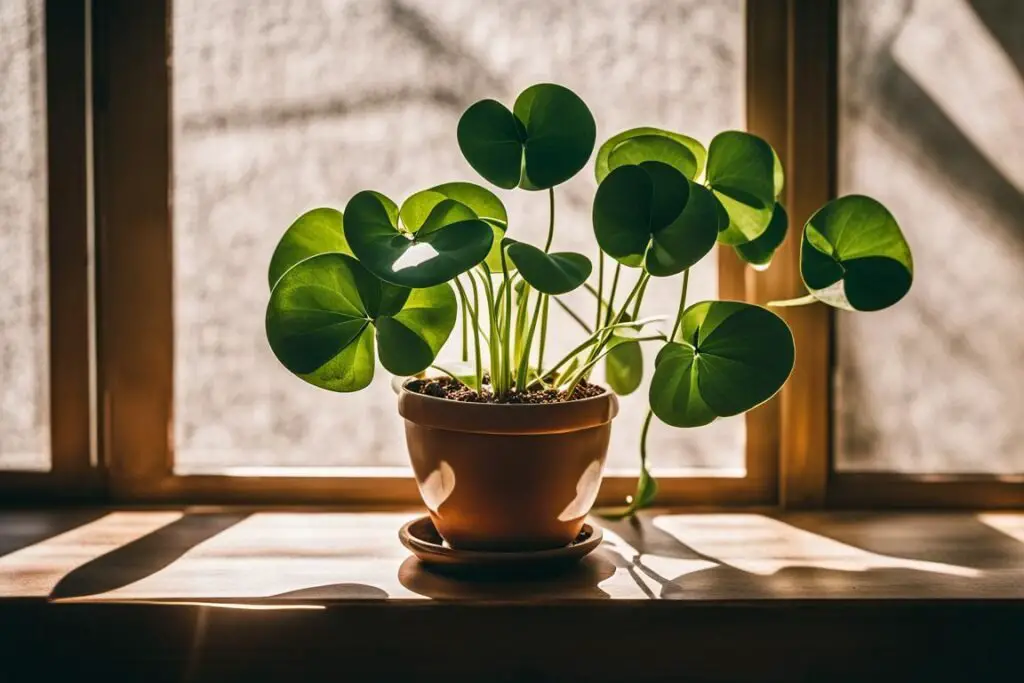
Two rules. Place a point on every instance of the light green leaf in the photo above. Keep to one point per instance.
(557, 273)
(317, 231)
(630, 147)
(624, 365)
(759, 252)
(545, 140)
(742, 175)
(854, 256)
(323, 311)
(729, 357)
(448, 242)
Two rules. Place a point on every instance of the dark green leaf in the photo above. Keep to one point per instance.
(730, 357)
(545, 140)
(759, 252)
(315, 232)
(633, 146)
(651, 214)
(556, 273)
(448, 242)
(742, 175)
(854, 256)
(410, 340)
(322, 314)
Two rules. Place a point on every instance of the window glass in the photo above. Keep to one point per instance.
(24, 314)
(932, 124)
(280, 106)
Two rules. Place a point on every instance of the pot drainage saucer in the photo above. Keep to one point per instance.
(421, 537)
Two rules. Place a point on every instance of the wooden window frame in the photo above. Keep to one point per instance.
(133, 148)
(807, 141)
(72, 473)
(124, 93)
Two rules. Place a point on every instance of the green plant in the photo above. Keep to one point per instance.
(663, 201)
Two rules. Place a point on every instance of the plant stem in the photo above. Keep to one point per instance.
(592, 339)
(799, 301)
(465, 326)
(639, 299)
(639, 286)
(591, 362)
(611, 296)
(575, 316)
(524, 362)
(682, 306)
(600, 288)
(551, 219)
(521, 321)
(476, 327)
(494, 343)
(506, 351)
(543, 332)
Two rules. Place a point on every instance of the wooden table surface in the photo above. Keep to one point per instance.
(815, 591)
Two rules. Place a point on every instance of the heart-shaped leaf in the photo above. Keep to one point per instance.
(854, 256)
(481, 201)
(728, 357)
(449, 240)
(323, 312)
(634, 146)
(651, 214)
(545, 140)
(557, 273)
(759, 252)
(743, 176)
(317, 231)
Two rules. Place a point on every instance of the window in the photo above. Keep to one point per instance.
(216, 122)
(24, 366)
(933, 385)
(279, 107)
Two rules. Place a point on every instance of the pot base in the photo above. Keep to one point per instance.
(421, 537)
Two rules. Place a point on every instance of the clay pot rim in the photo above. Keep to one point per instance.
(507, 418)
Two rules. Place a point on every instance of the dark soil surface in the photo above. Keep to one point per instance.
(454, 390)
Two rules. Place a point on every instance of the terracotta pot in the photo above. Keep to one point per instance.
(507, 477)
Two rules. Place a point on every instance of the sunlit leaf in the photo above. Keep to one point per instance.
(743, 176)
(556, 273)
(854, 256)
(759, 252)
(631, 147)
(449, 241)
(317, 231)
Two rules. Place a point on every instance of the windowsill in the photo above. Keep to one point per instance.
(719, 580)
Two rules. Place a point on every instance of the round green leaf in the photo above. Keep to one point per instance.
(449, 241)
(323, 311)
(557, 273)
(759, 252)
(728, 357)
(854, 256)
(545, 140)
(651, 214)
(479, 200)
(630, 147)
(624, 365)
(687, 239)
(317, 231)
(410, 340)
(742, 175)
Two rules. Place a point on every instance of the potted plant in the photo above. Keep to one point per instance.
(508, 450)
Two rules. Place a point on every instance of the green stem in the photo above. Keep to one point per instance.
(799, 301)
(640, 284)
(524, 362)
(551, 219)
(494, 342)
(611, 296)
(465, 327)
(543, 332)
(575, 316)
(506, 358)
(476, 327)
(599, 293)
(682, 306)
(522, 319)
(639, 299)
(591, 362)
(592, 339)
